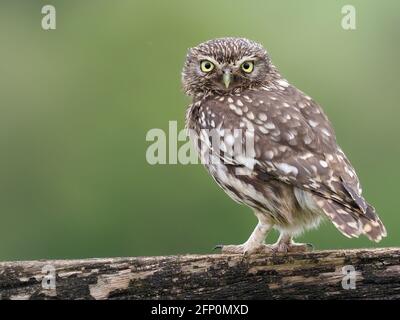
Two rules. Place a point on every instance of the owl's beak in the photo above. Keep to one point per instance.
(227, 78)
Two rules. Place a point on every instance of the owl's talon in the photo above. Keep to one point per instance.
(299, 247)
(285, 247)
(232, 249)
(246, 250)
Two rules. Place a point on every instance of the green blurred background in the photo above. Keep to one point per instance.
(76, 104)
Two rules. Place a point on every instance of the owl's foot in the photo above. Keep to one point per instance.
(246, 249)
(285, 247)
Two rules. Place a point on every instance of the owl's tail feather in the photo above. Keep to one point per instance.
(372, 228)
(352, 223)
(342, 218)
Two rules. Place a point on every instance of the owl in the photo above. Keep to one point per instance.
(293, 174)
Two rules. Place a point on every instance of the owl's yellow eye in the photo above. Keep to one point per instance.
(206, 66)
(247, 66)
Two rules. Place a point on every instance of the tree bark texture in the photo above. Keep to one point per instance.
(337, 274)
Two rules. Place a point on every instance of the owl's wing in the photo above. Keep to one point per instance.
(307, 156)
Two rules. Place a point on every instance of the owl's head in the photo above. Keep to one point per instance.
(225, 65)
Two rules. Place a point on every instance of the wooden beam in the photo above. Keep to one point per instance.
(372, 274)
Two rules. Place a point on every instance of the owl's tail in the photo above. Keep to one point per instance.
(350, 222)
(372, 228)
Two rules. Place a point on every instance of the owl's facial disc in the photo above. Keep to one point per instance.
(225, 65)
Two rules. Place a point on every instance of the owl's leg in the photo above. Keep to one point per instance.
(285, 244)
(255, 243)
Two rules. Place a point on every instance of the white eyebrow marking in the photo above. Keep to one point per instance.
(215, 62)
(247, 58)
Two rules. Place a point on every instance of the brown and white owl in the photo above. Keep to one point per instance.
(295, 173)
